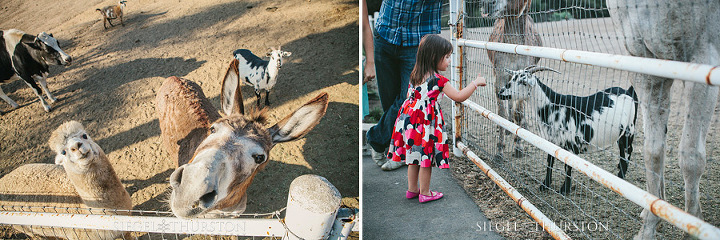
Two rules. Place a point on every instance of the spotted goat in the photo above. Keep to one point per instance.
(24, 56)
(110, 13)
(261, 74)
(577, 123)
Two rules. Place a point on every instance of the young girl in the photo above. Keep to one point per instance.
(418, 138)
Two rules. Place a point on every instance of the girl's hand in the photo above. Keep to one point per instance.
(480, 81)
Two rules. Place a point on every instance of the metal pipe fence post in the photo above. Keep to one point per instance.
(456, 71)
(313, 203)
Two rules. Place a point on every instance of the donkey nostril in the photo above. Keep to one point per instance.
(208, 197)
(176, 177)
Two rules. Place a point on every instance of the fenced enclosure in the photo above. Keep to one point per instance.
(313, 212)
(590, 210)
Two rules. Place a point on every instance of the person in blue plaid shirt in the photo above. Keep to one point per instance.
(398, 30)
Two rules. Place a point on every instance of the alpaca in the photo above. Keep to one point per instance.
(679, 31)
(81, 178)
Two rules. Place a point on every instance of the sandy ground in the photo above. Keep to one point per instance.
(111, 85)
(590, 204)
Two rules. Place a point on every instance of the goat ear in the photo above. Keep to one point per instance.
(300, 122)
(231, 97)
(286, 54)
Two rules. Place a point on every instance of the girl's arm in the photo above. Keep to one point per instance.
(464, 94)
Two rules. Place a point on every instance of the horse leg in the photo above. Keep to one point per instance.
(518, 116)
(502, 112)
(654, 93)
(700, 106)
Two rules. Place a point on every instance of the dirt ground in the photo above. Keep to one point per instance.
(111, 85)
(589, 203)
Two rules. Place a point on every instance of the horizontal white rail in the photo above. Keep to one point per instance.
(675, 216)
(237, 227)
(693, 72)
(546, 223)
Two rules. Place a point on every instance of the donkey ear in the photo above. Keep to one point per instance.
(300, 122)
(231, 97)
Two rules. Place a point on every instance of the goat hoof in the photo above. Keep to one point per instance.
(544, 188)
(498, 157)
(565, 191)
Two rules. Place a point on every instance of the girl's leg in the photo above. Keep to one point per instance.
(424, 176)
(413, 178)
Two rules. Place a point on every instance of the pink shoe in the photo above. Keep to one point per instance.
(411, 195)
(434, 196)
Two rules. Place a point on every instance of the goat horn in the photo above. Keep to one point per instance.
(529, 67)
(538, 69)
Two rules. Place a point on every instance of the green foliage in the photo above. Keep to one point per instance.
(540, 11)
(373, 116)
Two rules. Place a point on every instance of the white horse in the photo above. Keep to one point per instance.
(681, 31)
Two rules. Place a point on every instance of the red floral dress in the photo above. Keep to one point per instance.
(418, 136)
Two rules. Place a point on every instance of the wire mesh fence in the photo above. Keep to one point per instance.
(590, 210)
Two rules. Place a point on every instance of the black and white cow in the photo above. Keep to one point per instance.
(24, 56)
(261, 74)
(577, 123)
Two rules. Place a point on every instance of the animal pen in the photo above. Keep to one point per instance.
(313, 212)
(580, 41)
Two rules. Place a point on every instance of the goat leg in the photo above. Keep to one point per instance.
(625, 146)
(267, 97)
(548, 175)
(257, 95)
(121, 21)
(566, 187)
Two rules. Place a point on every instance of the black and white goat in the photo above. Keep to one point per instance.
(113, 12)
(261, 74)
(577, 123)
(24, 56)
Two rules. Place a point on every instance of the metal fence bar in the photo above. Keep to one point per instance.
(237, 227)
(693, 72)
(675, 216)
(546, 223)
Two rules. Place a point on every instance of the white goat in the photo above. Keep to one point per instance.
(261, 74)
(113, 12)
(576, 123)
(82, 178)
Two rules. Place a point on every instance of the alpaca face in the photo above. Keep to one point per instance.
(74, 147)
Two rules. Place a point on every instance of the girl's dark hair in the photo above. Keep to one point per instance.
(431, 50)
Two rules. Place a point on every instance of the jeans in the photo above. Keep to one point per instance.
(393, 65)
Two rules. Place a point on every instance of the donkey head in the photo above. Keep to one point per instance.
(49, 50)
(237, 147)
(521, 83)
(276, 55)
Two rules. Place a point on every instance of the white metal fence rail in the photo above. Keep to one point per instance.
(313, 212)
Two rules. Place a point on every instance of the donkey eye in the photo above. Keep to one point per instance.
(259, 158)
(84, 136)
